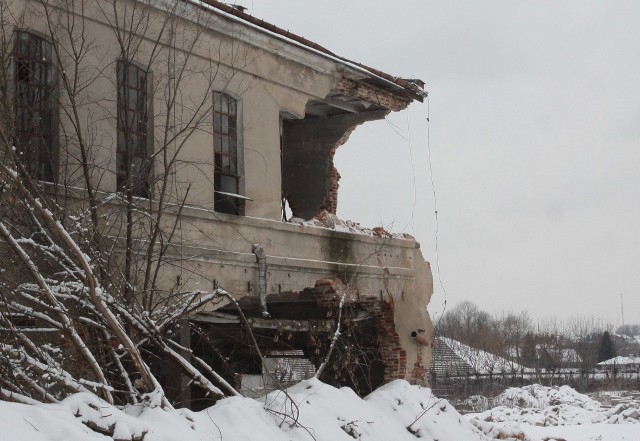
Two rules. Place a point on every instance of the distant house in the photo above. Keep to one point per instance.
(621, 363)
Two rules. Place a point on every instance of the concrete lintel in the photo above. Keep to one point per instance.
(373, 94)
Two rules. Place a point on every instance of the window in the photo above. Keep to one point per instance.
(227, 176)
(133, 162)
(35, 106)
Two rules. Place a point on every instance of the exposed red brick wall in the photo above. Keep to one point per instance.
(394, 357)
(332, 195)
(372, 94)
(418, 374)
(331, 202)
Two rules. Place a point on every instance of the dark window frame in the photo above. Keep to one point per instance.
(35, 104)
(134, 162)
(227, 154)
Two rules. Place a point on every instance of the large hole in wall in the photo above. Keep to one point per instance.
(309, 179)
(296, 340)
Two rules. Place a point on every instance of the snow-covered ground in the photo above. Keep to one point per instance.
(312, 410)
(560, 413)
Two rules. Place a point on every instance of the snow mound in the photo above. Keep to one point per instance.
(538, 396)
(396, 411)
(543, 406)
(476, 403)
(310, 410)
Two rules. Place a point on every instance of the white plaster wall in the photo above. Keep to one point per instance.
(265, 83)
(217, 246)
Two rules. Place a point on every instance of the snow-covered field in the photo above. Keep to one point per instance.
(312, 410)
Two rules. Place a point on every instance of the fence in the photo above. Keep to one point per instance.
(457, 388)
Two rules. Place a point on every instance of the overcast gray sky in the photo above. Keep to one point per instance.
(534, 138)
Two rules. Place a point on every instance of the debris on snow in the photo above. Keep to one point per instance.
(332, 222)
(538, 396)
(558, 411)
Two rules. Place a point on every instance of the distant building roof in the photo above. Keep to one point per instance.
(562, 355)
(620, 361)
(451, 357)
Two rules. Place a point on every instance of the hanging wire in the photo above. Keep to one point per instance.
(413, 172)
(407, 138)
(396, 129)
(435, 206)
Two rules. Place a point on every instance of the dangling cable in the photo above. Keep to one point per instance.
(435, 206)
(413, 172)
(407, 138)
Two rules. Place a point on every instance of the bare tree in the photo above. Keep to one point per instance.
(585, 333)
(467, 323)
(514, 328)
(83, 302)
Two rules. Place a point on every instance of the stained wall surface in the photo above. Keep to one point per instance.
(270, 78)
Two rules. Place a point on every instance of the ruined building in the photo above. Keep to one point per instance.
(260, 114)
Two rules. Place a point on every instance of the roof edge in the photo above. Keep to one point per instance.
(414, 87)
